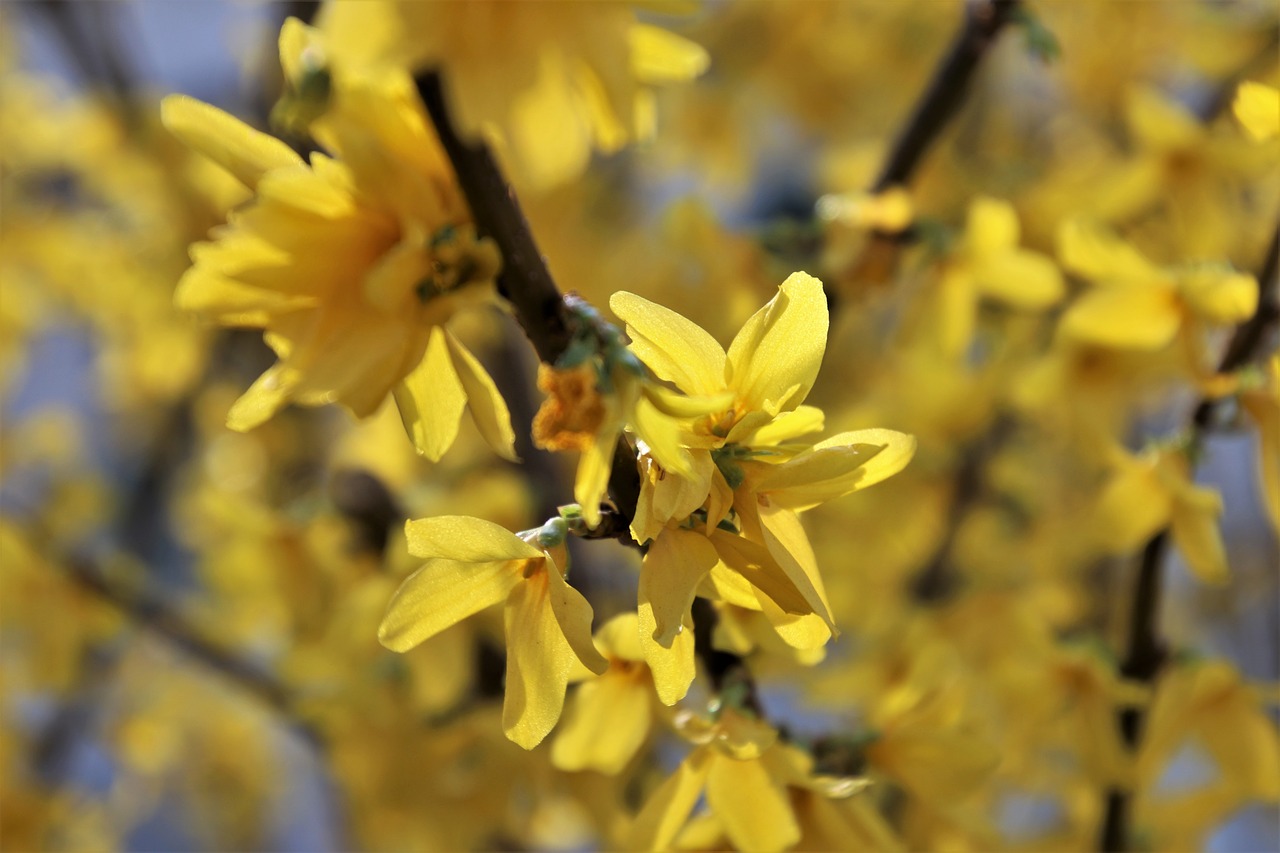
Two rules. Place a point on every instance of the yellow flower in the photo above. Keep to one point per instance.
(1149, 493)
(1209, 703)
(1263, 406)
(610, 716)
(353, 266)
(1136, 305)
(761, 793)
(554, 83)
(473, 564)
(989, 264)
(1257, 106)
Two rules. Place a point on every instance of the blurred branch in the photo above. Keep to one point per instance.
(1145, 651)
(983, 20)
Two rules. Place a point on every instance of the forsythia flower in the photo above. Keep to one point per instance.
(1136, 305)
(473, 564)
(989, 264)
(747, 463)
(554, 81)
(353, 265)
(609, 717)
(1257, 106)
(758, 788)
(1155, 491)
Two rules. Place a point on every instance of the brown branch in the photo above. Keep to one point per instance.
(549, 324)
(983, 20)
(1145, 652)
(525, 281)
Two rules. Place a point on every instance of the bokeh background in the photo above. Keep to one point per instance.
(188, 614)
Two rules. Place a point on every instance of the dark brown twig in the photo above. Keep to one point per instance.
(983, 20)
(1145, 652)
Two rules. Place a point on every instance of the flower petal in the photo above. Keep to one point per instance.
(431, 399)
(776, 355)
(573, 614)
(540, 663)
(441, 594)
(467, 539)
(488, 409)
(755, 811)
(674, 348)
(1134, 318)
(607, 722)
(668, 807)
(244, 152)
(676, 563)
(673, 666)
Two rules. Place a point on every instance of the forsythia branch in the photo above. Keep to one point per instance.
(1145, 652)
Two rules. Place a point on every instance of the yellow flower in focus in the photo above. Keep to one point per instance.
(1152, 492)
(353, 266)
(473, 564)
(552, 82)
(610, 716)
(1135, 305)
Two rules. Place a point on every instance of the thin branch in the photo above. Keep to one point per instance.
(1145, 652)
(983, 20)
(525, 281)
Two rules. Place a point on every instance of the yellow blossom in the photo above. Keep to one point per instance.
(1152, 492)
(473, 564)
(553, 82)
(609, 717)
(1136, 305)
(353, 265)
(1257, 106)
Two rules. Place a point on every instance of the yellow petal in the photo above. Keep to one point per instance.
(755, 811)
(676, 563)
(441, 594)
(669, 806)
(302, 189)
(674, 348)
(780, 532)
(460, 537)
(244, 152)
(540, 662)
(804, 632)
(265, 397)
(1195, 531)
(396, 275)
(788, 426)
(619, 638)
(719, 500)
(573, 614)
(680, 406)
(592, 480)
(1024, 279)
(203, 290)
(607, 722)
(660, 56)
(776, 355)
(488, 409)
(1257, 107)
(1160, 122)
(431, 399)
(1134, 318)
(548, 132)
(992, 227)
(754, 565)
(1132, 508)
(941, 768)
(663, 437)
(1094, 252)
(1220, 296)
(842, 464)
(673, 666)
